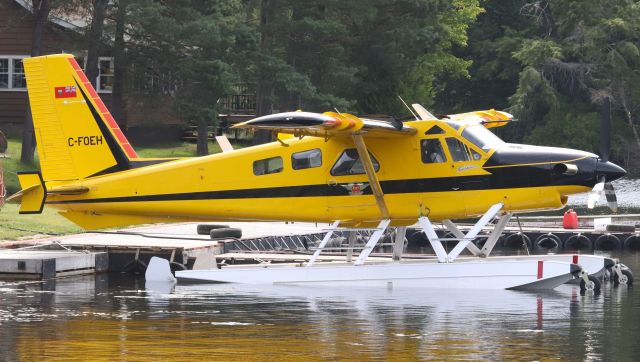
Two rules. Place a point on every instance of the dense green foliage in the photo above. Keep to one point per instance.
(549, 62)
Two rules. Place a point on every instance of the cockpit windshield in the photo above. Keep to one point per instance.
(481, 137)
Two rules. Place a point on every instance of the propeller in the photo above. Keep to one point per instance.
(603, 187)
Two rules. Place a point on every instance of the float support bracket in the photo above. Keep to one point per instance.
(495, 234)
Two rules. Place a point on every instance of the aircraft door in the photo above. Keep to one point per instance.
(441, 189)
(349, 185)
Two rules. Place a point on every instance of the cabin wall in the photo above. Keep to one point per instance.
(156, 119)
(16, 33)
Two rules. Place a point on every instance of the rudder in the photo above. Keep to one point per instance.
(76, 135)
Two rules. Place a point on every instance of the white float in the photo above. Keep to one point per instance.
(446, 270)
(477, 274)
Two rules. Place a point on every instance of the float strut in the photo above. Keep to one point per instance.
(464, 242)
(373, 240)
(323, 243)
(460, 235)
(484, 220)
(352, 235)
(398, 245)
(495, 234)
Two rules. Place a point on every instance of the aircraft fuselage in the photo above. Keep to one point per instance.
(302, 181)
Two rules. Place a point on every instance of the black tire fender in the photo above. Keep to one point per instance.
(632, 243)
(607, 242)
(205, 229)
(548, 238)
(577, 242)
(225, 233)
(515, 241)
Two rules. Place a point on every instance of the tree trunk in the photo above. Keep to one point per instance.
(120, 65)
(622, 99)
(41, 9)
(95, 40)
(203, 138)
(264, 88)
(636, 136)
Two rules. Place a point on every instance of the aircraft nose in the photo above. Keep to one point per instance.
(610, 171)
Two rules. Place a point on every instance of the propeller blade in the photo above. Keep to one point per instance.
(595, 194)
(605, 130)
(610, 194)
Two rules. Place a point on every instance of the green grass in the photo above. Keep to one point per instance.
(14, 225)
(12, 164)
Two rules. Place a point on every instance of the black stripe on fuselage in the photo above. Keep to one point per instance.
(501, 178)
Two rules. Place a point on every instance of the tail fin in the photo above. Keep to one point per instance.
(76, 135)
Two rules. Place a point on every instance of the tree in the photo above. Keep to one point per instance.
(194, 45)
(405, 47)
(357, 55)
(41, 10)
(580, 55)
(120, 62)
(493, 73)
(94, 39)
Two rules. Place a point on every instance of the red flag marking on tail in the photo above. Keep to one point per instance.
(66, 92)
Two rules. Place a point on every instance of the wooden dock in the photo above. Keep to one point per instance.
(129, 250)
(49, 264)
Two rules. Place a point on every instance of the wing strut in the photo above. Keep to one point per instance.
(371, 174)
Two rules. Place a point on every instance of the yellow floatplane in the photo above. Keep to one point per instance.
(331, 167)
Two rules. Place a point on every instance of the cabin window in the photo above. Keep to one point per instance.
(349, 164)
(481, 137)
(475, 155)
(432, 151)
(306, 159)
(12, 73)
(457, 150)
(267, 166)
(434, 130)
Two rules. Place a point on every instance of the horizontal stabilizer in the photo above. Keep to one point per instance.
(423, 113)
(33, 193)
(489, 118)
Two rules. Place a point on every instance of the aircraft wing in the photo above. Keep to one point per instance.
(325, 124)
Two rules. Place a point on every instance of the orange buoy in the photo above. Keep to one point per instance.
(570, 220)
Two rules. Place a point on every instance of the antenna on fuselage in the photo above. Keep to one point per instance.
(410, 110)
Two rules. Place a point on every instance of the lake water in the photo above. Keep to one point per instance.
(627, 193)
(114, 317)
